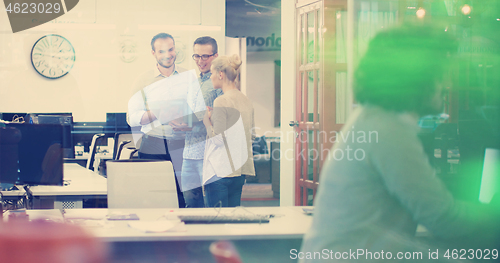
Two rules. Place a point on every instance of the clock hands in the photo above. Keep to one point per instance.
(52, 56)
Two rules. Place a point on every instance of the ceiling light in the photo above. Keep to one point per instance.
(420, 13)
(466, 9)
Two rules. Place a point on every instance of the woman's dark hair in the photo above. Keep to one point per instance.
(401, 67)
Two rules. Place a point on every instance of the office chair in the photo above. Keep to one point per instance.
(93, 150)
(117, 152)
(135, 141)
(132, 153)
(52, 165)
(141, 183)
(127, 153)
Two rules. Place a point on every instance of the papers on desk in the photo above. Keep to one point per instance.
(121, 216)
(46, 215)
(158, 226)
(104, 218)
(94, 214)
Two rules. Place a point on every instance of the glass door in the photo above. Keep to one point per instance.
(321, 69)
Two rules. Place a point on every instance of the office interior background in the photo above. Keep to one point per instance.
(280, 42)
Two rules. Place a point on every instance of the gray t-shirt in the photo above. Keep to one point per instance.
(377, 185)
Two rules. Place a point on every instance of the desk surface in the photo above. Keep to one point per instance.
(81, 181)
(86, 155)
(288, 223)
(14, 193)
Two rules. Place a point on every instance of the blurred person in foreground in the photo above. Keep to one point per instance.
(373, 202)
(230, 127)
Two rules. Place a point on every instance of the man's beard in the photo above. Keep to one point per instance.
(167, 66)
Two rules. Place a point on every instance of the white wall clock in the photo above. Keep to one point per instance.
(52, 56)
(180, 51)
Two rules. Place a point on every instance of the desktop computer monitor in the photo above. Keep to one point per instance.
(490, 179)
(14, 116)
(116, 122)
(40, 155)
(474, 136)
(66, 120)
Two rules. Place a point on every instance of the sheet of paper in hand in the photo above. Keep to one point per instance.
(168, 98)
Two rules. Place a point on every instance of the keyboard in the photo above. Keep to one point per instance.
(224, 219)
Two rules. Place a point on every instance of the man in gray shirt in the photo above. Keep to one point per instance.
(378, 185)
(205, 50)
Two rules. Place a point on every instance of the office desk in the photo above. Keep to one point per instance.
(14, 193)
(12, 199)
(99, 159)
(82, 184)
(268, 242)
(288, 223)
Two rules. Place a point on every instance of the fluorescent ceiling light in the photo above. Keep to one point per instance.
(74, 26)
(179, 27)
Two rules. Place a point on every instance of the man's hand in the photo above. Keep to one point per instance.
(147, 117)
(178, 126)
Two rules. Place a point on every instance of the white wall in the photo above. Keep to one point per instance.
(288, 64)
(237, 46)
(100, 81)
(260, 89)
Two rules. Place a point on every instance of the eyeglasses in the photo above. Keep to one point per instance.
(203, 57)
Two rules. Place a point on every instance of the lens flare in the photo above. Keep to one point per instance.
(466, 9)
(420, 13)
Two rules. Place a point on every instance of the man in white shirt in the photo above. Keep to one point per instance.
(159, 140)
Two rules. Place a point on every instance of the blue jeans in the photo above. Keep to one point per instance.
(192, 172)
(226, 190)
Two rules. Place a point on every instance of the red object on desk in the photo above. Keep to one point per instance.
(47, 242)
(224, 252)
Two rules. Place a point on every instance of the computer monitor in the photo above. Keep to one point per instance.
(40, 155)
(64, 119)
(474, 137)
(14, 116)
(490, 179)
(11, 116)
(116, 122)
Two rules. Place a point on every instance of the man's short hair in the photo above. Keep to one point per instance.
(162, 36)
(401, 68)
(207, 41)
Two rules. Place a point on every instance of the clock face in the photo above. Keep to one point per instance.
(52, 56)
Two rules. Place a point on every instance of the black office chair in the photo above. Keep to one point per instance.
(118, 151)
(93, 150)
(132, 152)
(127, 153)
(125, 136)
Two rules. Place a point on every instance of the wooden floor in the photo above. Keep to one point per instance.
(258, 195)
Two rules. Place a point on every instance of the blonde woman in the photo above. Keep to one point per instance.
(230, 125)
